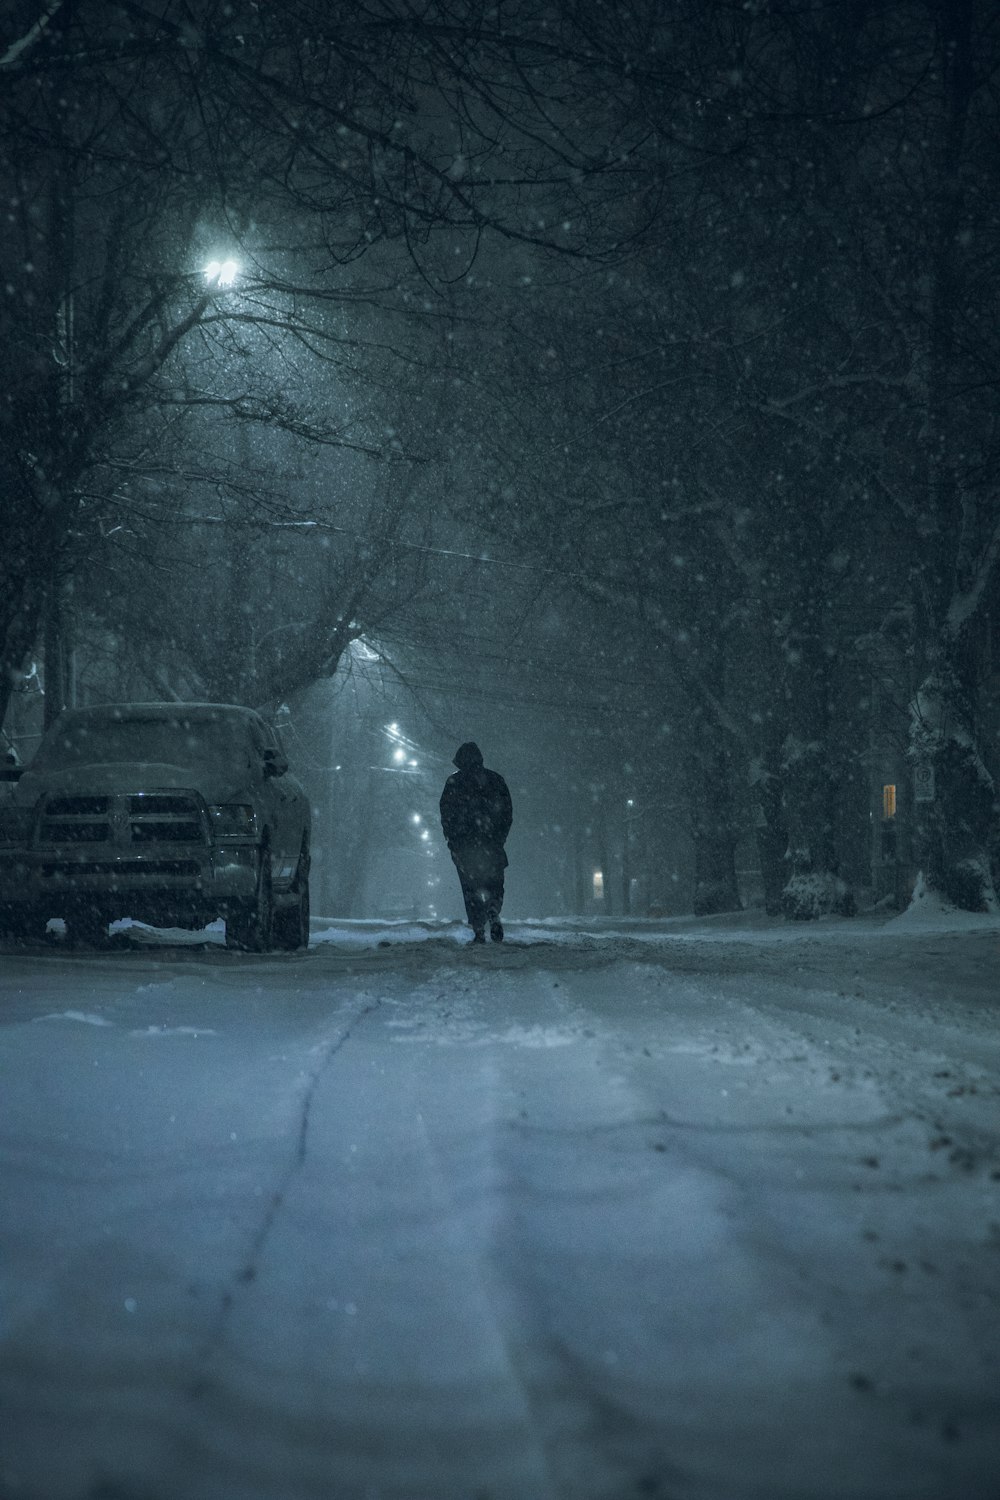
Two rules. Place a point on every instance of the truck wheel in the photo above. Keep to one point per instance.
(25, 924)
(251, 930)
(87, 928)
(291, 923)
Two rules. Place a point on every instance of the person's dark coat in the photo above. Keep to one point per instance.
(476, 816)
(476, 808)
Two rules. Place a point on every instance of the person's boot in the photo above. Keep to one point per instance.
(478, 936)
(496, 930)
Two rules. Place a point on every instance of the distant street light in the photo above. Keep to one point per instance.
(222, 272)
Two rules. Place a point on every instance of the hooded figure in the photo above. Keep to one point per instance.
(476, 815)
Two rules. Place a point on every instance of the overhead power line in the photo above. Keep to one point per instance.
(453, 552)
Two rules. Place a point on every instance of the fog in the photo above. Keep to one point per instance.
(612, 385)
(622, 381)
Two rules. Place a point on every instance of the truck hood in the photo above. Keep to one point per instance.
(216, 785)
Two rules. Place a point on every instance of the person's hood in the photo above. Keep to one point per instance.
(468, 756)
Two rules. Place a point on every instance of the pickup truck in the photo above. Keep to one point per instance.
(172, 814)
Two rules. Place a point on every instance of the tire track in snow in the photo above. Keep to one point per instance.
(547, 1054)
(247, 1273)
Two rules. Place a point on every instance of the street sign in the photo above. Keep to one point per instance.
(923, 782)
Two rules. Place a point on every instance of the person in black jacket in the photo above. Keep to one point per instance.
(476, 815)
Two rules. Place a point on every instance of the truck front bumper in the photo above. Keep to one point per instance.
(189, 882)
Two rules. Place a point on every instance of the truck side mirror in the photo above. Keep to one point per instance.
(274, 764)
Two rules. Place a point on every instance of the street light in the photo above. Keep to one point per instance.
(222, 272)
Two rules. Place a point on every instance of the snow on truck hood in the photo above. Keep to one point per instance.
(214, 783)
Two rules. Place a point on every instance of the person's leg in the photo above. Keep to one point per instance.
(468, 896)
(475, 906)
(494, 904)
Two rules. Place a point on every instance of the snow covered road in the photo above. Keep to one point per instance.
(693, 1211)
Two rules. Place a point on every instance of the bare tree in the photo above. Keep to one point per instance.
(786, 395)
(149, 141)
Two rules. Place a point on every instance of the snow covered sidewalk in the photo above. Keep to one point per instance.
(674, 1209)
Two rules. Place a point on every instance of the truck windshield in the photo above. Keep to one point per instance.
(177, 742)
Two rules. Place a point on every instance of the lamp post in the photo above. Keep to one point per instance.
(57, 649)
(238, 654)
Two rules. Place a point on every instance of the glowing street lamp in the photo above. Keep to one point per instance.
(222, 272)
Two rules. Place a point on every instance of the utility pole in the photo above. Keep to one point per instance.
(58, 679)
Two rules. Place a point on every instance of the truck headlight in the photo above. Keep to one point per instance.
(233, 820)
(15, 824)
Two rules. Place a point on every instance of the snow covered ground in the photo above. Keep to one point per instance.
(683, 1210)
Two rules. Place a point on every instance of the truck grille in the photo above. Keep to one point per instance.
(76, 820)
(77, 832)
(125, 868)
(73, 807)
(142, 818)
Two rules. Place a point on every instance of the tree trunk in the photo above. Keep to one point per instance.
(56, 657)
(580, 869)
(772, 829)
(19, 626)
(953, 817)
(713, 831)
(813, 886)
